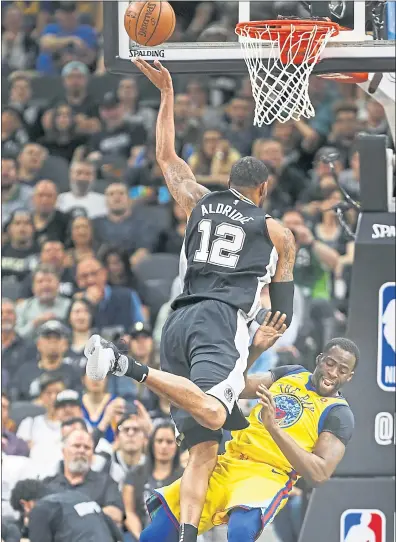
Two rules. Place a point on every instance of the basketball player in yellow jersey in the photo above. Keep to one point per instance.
(300, 427)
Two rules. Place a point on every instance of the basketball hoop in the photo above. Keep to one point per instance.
(280, 56)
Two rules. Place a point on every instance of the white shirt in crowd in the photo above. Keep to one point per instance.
(43, 434)
(13, 469)
(93, 203)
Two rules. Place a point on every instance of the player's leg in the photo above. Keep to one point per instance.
(245, 525)
(104, 357)
(161, 529)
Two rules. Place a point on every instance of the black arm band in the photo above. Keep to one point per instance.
(282, 295)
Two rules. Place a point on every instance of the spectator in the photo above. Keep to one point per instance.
(49, 223)
(207, 116)
(119, 269)
(291, 179)
(78, 476)
(43, 431)
(61, 137)
(344, 129)
(20, 254)
(171, 239)
(10, 443)
(46, 304)
(13, 469)
(314, 194)
(287, 134)
(13, 195)
(80, 321)
(66, 40)
(20, 98)
(214, 159)
(116, 306)
(128, 95)
(94, 402)
(13, 134)
(82, 177)
(186, 127)
(277, 200)
(53, 254)
(30, 162)
(60, 514)
(376, 122)
(123, 226)
(131, 439)
(75, 80)
(117, 136)
(81, 239)
(13, 347)
(68, 407)
(240, 132)
(139, 344)
(18, 49)
(161, 469)
(52, 343)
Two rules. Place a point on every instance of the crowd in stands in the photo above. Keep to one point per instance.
(91, 240)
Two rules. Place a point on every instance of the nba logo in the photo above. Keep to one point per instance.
(362, 526)
(386, 362)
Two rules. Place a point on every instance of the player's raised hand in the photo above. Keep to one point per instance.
(268, 412)
(158, 75)
(272, 328)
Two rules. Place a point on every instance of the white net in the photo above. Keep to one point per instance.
(279, 69)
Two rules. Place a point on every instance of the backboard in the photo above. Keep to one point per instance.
(208, 44)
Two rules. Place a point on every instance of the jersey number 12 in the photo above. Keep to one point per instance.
(223, 251)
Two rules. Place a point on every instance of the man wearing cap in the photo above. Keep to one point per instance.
(46, 303)
(117, 136)
(68, 38)
(75, 81)
(20, 254)
(52, 343)
(42, 432)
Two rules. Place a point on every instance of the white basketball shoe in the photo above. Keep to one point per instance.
(103, 358)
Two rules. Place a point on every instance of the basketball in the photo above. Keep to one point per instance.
(149, 23)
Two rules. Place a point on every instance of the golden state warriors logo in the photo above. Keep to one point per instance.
(289, 409)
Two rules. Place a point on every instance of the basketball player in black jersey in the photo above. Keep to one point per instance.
(231, 250)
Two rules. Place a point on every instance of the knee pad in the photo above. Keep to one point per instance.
(244, 525)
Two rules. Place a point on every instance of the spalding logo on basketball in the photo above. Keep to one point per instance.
(289, 409)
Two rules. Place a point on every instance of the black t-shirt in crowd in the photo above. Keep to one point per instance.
(87, 107)
(70, 516)
(55, 230)
(67, 286)
(118, 142)
(18, 262)
(25, 385)
(98, 486)
(144, 483)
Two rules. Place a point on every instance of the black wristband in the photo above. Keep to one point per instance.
(136, 370)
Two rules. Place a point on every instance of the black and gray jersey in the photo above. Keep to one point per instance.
(227, 253)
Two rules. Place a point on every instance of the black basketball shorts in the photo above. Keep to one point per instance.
(208, 343)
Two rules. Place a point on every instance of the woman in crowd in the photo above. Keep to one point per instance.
(62, 138)
(171, 239)
(81, 240)
(95, 399)
(162, 468)
(80, 320)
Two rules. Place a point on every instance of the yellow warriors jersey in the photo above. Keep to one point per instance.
(253, 472)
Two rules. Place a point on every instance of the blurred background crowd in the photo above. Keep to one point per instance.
(91, 241)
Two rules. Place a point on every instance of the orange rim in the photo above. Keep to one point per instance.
(347, 77)
(292, 30)
(258, 29)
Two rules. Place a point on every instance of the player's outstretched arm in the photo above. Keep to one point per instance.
(178, 175)
(316, 467)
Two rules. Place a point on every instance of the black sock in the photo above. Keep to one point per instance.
(188, 533)
(136, 370)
